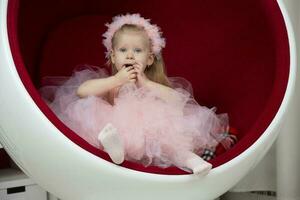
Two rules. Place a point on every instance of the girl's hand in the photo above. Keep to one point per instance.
(141, 77)
(126, 74)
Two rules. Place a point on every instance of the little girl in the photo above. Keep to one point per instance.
(138, 113)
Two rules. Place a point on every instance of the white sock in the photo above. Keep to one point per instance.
(199, 166)
(112, 143)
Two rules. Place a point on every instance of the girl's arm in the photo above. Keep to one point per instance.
(98, 87)
(165, 93)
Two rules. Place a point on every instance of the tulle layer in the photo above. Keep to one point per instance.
(154, 131)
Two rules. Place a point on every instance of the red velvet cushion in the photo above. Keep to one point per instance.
(235, 53)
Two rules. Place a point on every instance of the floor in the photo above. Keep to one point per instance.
(249, 196)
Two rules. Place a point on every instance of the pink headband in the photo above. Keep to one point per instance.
(153, 31)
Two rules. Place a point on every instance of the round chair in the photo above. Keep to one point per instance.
(238, 55)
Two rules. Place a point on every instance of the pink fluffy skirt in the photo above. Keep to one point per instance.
(154, 132)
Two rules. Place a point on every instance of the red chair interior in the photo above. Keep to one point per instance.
(235, 53)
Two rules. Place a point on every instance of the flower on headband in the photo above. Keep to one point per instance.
(153, 31)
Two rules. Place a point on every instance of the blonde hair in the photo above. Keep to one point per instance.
(155, 72)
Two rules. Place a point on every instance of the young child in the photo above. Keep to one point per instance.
(138, 113)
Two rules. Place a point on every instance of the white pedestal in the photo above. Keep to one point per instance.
(15, 185)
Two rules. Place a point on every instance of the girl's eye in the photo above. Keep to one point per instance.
(122, 49)
(138, 50)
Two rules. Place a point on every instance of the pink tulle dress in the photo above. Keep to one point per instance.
(154, 132)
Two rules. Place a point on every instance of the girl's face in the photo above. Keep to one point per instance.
(132, 47)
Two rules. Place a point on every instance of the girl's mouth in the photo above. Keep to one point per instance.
(128, 65)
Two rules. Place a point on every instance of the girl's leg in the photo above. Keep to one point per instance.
(187, 159)
(112, 143)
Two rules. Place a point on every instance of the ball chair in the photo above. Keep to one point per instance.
(238, 55)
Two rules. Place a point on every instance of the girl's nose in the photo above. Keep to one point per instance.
(130, 55)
